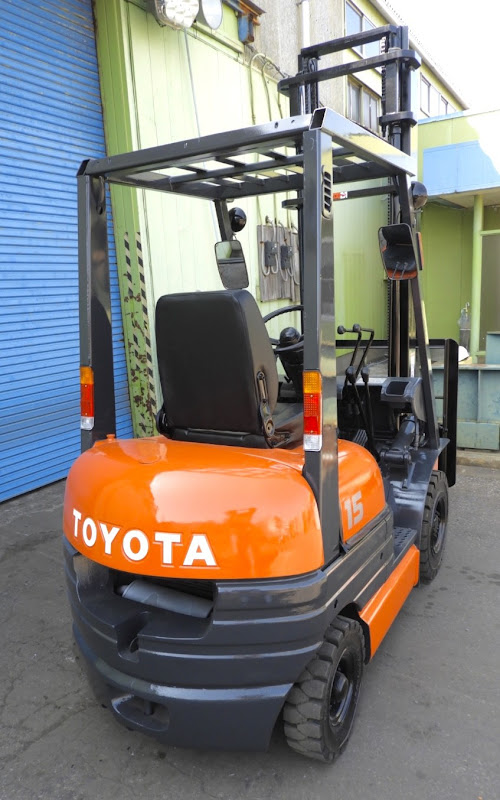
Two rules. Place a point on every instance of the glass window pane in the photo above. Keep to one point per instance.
(373, 113)
(366, 109)
(434, 102)
(443, 106)
(372, 48)
(354, 111)
(352, 20)
(424, 94)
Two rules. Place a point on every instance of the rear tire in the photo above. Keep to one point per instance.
(434, 526)
(320, 709)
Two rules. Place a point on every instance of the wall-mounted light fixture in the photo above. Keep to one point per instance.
(176, 13)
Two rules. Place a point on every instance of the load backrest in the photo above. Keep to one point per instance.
(211, 348)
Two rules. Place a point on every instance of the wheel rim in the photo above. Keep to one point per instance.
(342, 693)
(438, 526)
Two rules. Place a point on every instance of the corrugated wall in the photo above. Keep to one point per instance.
(50, 120)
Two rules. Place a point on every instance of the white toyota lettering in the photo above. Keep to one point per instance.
(77, 517)
(89, 539)
(199, 550)
(142, 551)
(108, 536)
(135, 544)
(167, 540)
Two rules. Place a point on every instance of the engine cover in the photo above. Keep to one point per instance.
(187, 510)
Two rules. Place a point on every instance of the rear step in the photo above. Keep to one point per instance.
(403, 540)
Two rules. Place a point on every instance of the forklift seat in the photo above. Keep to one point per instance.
(212, 347)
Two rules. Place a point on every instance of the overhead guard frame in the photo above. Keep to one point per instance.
(224, 166)
(290, 154)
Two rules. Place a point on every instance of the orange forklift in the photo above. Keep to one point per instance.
(242, 566)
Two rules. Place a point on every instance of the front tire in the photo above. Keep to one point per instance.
(434, 526)
(320, 709)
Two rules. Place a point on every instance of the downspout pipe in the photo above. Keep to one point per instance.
(477, 266)
(305, 26)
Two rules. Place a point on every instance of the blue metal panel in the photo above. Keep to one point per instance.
(478, 435)
(478, 423)
(489, 394)
(463, 167)
(493, 348)
(50, 120)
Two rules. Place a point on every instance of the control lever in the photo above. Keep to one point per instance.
(367, 347)
(355, 329)
(358, 330)
(351, 376)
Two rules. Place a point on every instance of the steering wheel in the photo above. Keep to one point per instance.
(275, 342)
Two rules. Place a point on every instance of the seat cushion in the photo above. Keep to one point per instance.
(211, 346)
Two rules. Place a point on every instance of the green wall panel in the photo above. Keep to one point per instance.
(361, 288)
(446, 278)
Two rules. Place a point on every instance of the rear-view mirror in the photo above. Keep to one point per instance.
(397, 249)
(231, 263)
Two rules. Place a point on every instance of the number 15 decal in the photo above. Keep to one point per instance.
(354, 509)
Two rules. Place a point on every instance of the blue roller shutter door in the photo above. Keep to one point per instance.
(50, 120)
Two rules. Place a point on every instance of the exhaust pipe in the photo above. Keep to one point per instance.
(168, 599)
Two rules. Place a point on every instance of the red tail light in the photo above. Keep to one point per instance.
(86, 398)
(313, 402)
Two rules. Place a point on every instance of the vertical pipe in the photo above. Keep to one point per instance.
(306, 24)
(477, 265)
(299, 97)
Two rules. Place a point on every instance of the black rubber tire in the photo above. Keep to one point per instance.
(434, 525)
(319, 711)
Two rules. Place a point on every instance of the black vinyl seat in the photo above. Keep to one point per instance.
(218, 372)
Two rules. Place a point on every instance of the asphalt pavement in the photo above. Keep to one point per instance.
(428, 725)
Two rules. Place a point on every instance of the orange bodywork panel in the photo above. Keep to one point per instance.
(381, 611)
(186, 510)
(361, 489)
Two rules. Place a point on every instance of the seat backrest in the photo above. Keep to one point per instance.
(211, 346)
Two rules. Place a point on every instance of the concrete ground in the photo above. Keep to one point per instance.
(429, 719)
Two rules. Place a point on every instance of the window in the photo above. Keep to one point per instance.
(353, 20)
(370, 111)
(354, 102)
(356, 22)
(432, 103)
(362, 106)
(443, 106)
(425, 95)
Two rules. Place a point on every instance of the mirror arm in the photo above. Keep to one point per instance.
(222, 212)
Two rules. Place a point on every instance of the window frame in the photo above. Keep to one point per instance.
(442, 102)
(360, 49)
(363, 92)
(425, 109)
